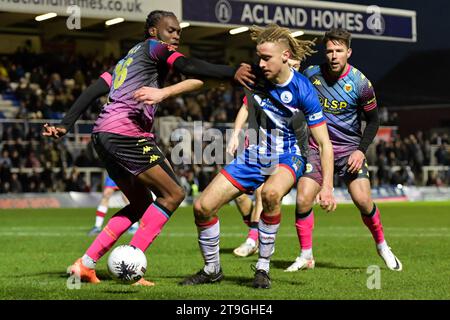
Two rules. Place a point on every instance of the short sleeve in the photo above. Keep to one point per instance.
(311, 105)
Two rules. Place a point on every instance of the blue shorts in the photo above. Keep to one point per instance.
(109, 183)
(247, 172)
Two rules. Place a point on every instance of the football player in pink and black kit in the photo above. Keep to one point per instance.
(345, 95)
(123, 140)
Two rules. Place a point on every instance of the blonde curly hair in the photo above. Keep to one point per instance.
(299, 49)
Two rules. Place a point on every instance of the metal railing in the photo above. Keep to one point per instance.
(88, 172)
(81, 133)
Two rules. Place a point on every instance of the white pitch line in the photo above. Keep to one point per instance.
(87, 228)
(232, 235)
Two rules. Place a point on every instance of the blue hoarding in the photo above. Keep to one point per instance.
(314, 17)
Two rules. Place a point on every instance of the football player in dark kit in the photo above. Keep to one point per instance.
(345, 94)
(123, 140)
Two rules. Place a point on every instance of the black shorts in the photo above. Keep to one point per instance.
(123, 155)
(314, 168)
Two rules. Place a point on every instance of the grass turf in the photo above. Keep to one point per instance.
(36, 247)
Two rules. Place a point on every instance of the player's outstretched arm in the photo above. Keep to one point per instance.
(199, 68)
(326, 198)
(94, 91)
(239, 123)
(150, 95)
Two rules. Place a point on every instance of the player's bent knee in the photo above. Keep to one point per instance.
(175, 198)
(239, 200)
(363, 202)
(200, 210)
(179, 195)
(270, 196)
(304, 201)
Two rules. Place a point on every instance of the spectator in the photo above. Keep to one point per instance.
(15, 185)
(441, 155)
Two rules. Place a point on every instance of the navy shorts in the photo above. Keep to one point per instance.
(314, 168)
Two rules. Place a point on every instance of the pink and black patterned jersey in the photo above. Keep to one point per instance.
(343, 102)
(146, 64)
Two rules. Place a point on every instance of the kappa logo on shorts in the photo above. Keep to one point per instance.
(367, 167)
(154, 157)
(146, 149)
(309, 168)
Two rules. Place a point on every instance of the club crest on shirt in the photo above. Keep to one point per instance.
(348, 87)
(286, 96)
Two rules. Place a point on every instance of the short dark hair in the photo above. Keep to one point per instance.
(154, 17)
(338, 34)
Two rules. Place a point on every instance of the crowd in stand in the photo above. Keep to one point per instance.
(44, 86)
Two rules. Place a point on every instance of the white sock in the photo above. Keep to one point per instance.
(99, 221)
(268, 232)
(88, 262)
(211, 268)
(208, 240)
(382, 245)
(306, 253)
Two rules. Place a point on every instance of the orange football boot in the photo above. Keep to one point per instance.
(86, 274)
(144, 283)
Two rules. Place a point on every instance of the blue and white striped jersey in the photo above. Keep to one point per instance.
(279, 112)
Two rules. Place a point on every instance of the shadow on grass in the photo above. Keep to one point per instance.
(244, 281)
(51, 274)
(122, 290)
(227, 250)
(240, 280)
(102, 275)
(283, 264)
(230, 251)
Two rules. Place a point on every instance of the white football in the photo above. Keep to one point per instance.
(127, 264)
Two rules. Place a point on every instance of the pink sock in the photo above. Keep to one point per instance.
(151, 225)
(253, 234)
(305, 225)
(116, 226)
(373, 222)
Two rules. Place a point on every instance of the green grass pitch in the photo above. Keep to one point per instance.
(36, 247)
